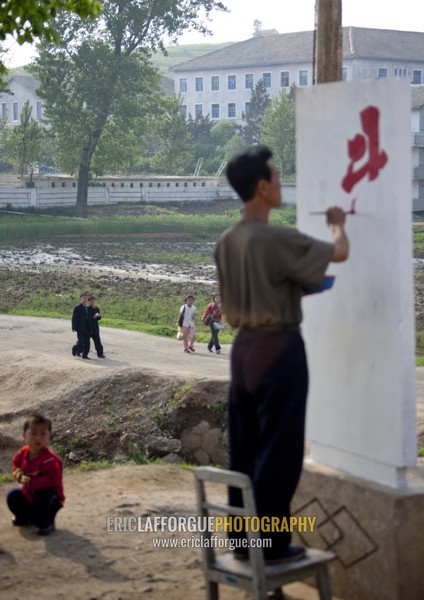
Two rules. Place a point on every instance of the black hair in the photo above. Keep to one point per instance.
(37, 419)
(245, 170)
(189, 296)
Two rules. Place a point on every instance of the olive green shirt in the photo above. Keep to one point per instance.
(261, 271)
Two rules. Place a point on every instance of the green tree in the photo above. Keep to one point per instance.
(259, 101)
(235, 145)
(101, 67)
(76, 91)
(5, 160)
(118, 149)
(278, 131)
(27, 20)
(78, 105)
(222, 132)
(174, 144)
(201, 131)
(257, 27)
(27, 143)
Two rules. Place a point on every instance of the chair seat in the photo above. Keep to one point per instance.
(283, 572)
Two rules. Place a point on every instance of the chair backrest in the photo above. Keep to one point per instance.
(207, 508)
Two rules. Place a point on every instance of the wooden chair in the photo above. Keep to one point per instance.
(254, 574)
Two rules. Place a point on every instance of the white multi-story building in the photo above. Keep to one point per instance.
(417, 129)
(23, 89)
(219, 84)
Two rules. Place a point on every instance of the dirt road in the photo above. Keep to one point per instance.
(53, 339)
(49, 342)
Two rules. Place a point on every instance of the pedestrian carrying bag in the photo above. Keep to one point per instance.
(208, 319)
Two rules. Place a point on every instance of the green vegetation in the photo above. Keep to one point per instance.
(418, 240)
(29, 226)
(100, 91)
(85, 466)
(139, 457)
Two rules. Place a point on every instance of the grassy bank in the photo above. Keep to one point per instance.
(30, 226)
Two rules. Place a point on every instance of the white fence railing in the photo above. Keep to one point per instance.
(44, 197)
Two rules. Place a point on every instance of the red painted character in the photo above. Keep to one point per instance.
(358, 147)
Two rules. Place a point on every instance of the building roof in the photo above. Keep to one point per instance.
(280, 48)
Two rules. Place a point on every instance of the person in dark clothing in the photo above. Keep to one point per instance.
(80, 325)
(94, 318)
(262, 272)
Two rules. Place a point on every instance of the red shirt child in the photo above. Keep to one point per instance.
(39, 470)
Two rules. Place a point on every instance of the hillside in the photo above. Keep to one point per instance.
(174, 56)
(178, 54)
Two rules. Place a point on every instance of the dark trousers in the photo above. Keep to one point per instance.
(97, 343)
(41, 511)
(267, 407)
(214, 341)
(83, 343)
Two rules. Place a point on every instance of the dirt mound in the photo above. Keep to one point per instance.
(127, 414)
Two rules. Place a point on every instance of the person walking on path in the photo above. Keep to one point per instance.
(81, 326)
(94, 318)
(261, 271)
(214, 309)
(186, 320)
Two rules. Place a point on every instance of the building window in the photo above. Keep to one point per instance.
(303, 77)
(344, 73)
(417, 77)
(266, 77)
(232, 83)
(232, 110)
(198, 110)
(246, 108)
(198, 84)
(4, 111)
(215, 83)
(183, 110)
(248, 81)
(382, 72)
(183, 85)
(285, 79)
(38, 110)
(15, 111)
(215, 111)
(400, 72)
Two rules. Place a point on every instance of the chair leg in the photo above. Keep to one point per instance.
(324, 585)
(212, 591)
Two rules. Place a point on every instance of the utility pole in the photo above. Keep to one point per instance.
(328, 43)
